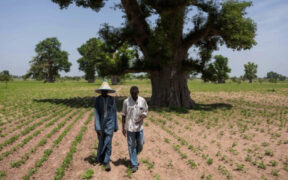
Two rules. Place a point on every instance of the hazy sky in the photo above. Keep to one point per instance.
(24, 23)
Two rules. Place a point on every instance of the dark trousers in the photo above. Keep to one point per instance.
(104, 148)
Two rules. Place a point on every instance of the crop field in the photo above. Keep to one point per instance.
(235, 131)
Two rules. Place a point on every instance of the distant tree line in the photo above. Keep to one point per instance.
(274, 77)
(107, 57)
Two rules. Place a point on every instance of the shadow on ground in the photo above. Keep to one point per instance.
(91, 160)
(88, 102)
(79, 102)
(122, 162)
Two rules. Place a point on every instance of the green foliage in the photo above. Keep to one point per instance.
(166, 140)
(224, 171)
(91, 54)
(129, 173)
(192, 163)
(60, 172)
(117, 62)
(262, 165)
(2, 174)
(273, 163)
(240, 167)
(269, 152)
(275, 172)
(237, 30)
(50, 59)
(210, 161)
(273, 76)
(156, 177)
(285, 163)
(263, 111)
(163, 44)
(105, 58)
(272, 80)
(5, 77)
(250, 71)
(88, 174)
(217, 71)
(38, 163)
(96, 5)
(149, 164)
(264, 144)
(41, 142)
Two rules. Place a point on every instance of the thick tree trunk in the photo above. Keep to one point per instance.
(115, 80)
(50, 78)
(90, 74)
(170, 90)
(221, 81)
(250, 80)
(91, 80)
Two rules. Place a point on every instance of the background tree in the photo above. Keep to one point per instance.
(165, 44)
(50, 59)
(209, 73)
(91, 54)
(118, 54)
(276, 76)
(250, 71)
(218, 70)
(5, 77)
(108, 59)
(114, 65)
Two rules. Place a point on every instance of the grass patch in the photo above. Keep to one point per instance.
(88, 174)
(148, 163)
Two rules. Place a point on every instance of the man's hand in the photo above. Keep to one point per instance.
(124, 132)
(140, 120)
(99, 132)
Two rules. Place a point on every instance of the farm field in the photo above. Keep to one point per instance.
(236, 131)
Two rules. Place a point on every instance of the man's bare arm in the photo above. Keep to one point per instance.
(123, 125)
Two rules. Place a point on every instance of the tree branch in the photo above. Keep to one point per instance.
(194, 37)
(137, 20)
(132, 70)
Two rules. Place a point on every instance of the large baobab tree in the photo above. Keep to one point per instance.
(165, 44)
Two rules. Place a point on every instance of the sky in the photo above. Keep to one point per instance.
(23, 24)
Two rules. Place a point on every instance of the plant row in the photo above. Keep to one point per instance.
(42, 142)
(48, 151)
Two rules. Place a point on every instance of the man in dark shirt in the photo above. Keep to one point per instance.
(105, 123)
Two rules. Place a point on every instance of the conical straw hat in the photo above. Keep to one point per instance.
(105, 87)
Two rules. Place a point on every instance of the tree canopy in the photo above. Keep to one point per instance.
(104, 58)
(91, 54)
(217, 71)
(164, 44)
(5, 77)
(250, 71)
(275, 76)
(50, 59)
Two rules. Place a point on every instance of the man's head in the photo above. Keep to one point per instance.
(134, 91)
(104, 93)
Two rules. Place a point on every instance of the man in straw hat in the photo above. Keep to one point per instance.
(105, 123)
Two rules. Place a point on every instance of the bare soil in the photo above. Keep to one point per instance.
(238, 136)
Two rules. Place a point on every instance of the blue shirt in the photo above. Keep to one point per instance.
(107, 123)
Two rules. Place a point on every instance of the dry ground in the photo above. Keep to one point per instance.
(229, 135)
